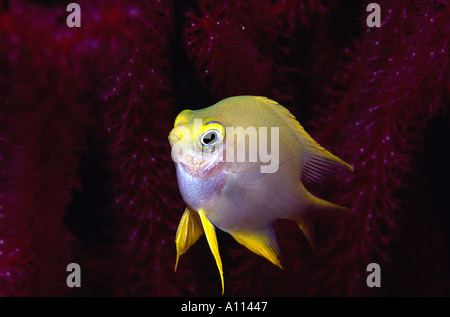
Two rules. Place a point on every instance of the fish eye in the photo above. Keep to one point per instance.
(210, 138)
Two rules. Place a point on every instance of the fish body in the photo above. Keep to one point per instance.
(239, 165)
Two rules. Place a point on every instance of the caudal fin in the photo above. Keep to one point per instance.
(319, 210)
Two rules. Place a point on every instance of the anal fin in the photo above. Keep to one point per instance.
(189, 230)
(262, 242)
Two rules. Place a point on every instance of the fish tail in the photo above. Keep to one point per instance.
(323, 208)
(319, 209)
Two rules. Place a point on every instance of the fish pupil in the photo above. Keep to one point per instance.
(209, 138)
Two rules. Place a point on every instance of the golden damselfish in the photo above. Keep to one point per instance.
(237, 195)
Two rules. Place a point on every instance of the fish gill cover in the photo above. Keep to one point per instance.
(85, 169)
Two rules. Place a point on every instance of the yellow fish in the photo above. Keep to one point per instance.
(239, 165)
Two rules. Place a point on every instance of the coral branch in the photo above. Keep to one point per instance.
(139, 112)
(47, 114)
(392, 82)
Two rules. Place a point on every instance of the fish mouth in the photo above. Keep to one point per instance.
(178, 134)
(173, 137)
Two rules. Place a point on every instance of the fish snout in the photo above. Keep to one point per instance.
(173, 138)
(179, 134)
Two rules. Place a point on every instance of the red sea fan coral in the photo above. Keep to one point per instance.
(395, 80)
(218, 44)
(85, 114)
(139, 112)
(38, 171)
(246, 47)
(47, 113)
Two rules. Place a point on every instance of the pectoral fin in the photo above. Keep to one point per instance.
(189, 230)
(210, 232)
(262, 242)
(318, 162)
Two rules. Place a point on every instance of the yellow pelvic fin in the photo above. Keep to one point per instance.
(210, 232)
(189, 230)
(262, 242)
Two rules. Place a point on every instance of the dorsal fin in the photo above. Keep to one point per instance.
(318, 162)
